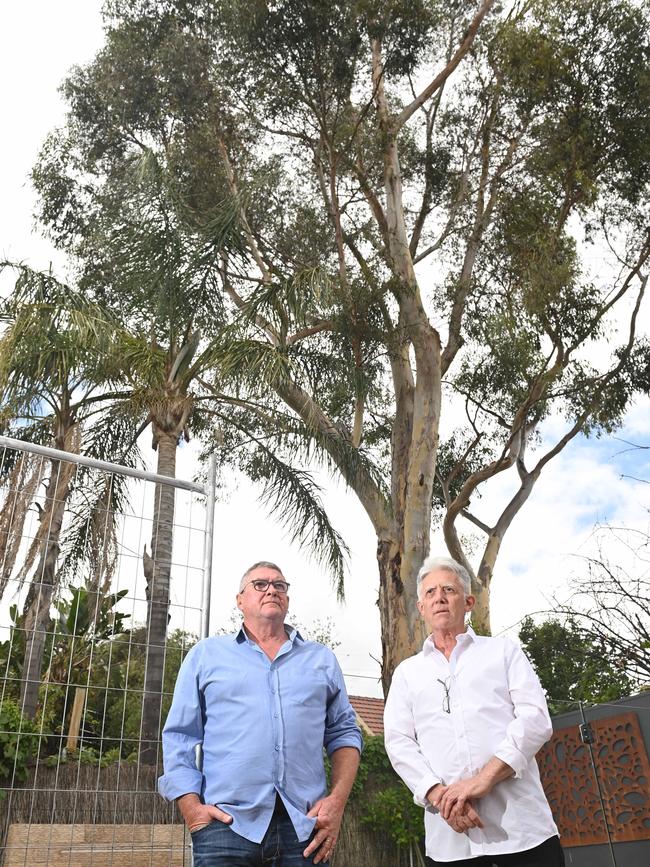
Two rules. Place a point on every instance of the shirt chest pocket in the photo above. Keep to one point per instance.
(310, 691)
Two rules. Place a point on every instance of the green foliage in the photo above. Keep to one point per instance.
(393, 810)
(386, 803)
(571, 665)
(89, 614)
(116, 688)
(86, 756)
(19, 742)
(12, 652)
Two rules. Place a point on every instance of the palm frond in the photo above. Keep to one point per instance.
(244, 360)
(38, 432)
(53, 335)
(22, 484)
(294, 498)
(306, 297)
(220, 231)
(90, 543)
(114, 432)
(140, 359)
(305, 440)
(309, 440)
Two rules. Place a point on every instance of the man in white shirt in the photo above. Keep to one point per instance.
(464, 719)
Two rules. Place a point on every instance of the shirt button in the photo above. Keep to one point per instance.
(276, 715)
(277, 748)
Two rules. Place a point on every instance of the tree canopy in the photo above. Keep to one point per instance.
(572, 665)
(392, 212)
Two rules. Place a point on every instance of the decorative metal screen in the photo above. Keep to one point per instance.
(623, 770)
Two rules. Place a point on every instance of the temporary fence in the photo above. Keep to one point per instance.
(92, 554)
(78, 564)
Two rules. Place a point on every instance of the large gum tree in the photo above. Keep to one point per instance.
(442, 214)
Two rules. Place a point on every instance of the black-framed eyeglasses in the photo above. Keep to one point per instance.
(445, 684)
(262, 585)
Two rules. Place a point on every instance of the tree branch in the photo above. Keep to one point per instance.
(317, 328)
(441, 77)
(477, 522)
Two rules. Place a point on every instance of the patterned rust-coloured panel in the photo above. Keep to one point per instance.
(623, 772)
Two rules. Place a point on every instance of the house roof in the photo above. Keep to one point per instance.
(370, 713)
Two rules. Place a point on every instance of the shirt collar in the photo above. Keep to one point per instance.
(462, 638)
(292, 634)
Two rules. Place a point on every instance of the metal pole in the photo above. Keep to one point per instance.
(587, 737)
(106, 466)
(208, 546)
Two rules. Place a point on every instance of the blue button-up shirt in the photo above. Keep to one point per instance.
(262, 724)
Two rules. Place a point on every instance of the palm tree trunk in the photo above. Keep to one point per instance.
(39, 600)
(157, 569)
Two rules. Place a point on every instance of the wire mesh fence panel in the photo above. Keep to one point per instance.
(101, 584)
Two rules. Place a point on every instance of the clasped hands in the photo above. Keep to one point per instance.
(455, 802)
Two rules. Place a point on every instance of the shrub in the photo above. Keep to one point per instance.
(385, 803)
(19, 742)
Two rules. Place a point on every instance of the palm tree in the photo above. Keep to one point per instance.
(157, 266)
(52, 370)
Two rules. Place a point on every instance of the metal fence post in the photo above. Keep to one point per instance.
(587, 738)
(208, 546)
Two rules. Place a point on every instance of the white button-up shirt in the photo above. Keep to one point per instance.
(496, 708)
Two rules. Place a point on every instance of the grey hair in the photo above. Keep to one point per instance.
(263, 564)
(431, 564)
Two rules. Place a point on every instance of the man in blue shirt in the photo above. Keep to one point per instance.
(262, 704)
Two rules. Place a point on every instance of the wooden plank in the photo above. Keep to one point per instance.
(97, 846)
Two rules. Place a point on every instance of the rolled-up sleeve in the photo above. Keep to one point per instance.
(401, 743)
(341, 729)
(531, 727)
(182, 733)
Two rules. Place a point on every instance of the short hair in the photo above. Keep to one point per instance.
(448, 565)
(266, 564)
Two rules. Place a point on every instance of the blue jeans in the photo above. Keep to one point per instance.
(217, 845)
